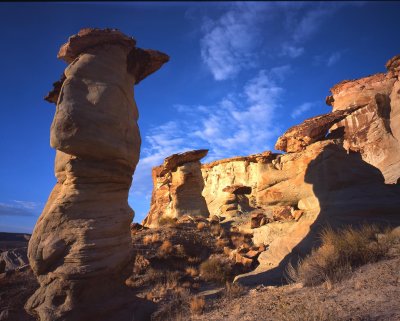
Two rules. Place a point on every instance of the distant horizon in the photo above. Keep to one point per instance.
(240, 74)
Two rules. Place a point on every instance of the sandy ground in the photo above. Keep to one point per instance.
(371, 293)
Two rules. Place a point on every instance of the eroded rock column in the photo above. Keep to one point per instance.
(80, 249)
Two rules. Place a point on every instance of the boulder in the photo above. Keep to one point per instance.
(83, 234)
(13, 258)
(258, 219)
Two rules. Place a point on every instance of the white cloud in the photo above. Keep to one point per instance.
(238, 39)
(292, 50)
(229, 43)
(310, 21)
(20, 208)
(238, 124)
(300, 110)
(333, 58)
(328, 60)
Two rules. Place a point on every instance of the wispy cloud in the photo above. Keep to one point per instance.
(328, 60)
(300, 110)
(291, 50)
(19, 208)
(228, 43)
(333, 58)
(238, 124)
(237, 39)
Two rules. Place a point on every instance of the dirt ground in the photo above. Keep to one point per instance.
(371, 293)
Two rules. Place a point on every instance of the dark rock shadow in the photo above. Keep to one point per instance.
(350, 192)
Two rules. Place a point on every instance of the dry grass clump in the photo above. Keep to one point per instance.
(165, 248)
(201, 226)
(175, 309)
(215, 269)
(234, 290)
(340, 252)
(221, 243)
(197, 304)
(151, 238)
(192, 271)
(167, 220)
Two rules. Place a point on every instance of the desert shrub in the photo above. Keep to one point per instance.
(197, 304)
(234, 290)
(340, 252)
(166, 220)
(215, 228)
(201, 226)
(165, 248)
(192, 271)
(221, 243)
(151, 238)
(174, 309)
(215, 269)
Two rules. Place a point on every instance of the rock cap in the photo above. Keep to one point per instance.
(90, 37)
(313, 129)
(175, 160)
(393, 63)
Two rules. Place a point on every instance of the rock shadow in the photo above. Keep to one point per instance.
(350, 192)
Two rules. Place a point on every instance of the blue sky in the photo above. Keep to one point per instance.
(240, 74)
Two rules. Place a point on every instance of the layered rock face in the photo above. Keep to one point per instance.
(179, 185)
(80, 249)
(338, 169)
(366, 115)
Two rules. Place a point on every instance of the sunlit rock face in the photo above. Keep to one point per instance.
(366, 115)
(339, 168)
(80, 249)
(178, 188)
(373, 130)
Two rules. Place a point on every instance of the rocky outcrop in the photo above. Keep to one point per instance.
(12, 259)
(373, 130)
(179, 185)
(325, 185)
(80, 249)
(339, 169)
(298, 137)
(366, 114)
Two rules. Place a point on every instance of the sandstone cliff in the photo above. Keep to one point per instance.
(339, 169)
(81, 249)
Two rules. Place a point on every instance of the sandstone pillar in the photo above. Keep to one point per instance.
(80, 249)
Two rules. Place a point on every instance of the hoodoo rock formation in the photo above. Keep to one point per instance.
(340, 168)
(80, 249)
(179, 186)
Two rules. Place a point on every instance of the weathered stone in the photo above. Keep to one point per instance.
(374, 130)
(297, 214)
(296, 138)
(237, 189)
(13, 259)
(243, 260)
(257, 219)
(282, 213)
(179, 185)
(175, 160)
(83, 234)
(334, 174)
(393, 63)
(252, 254)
